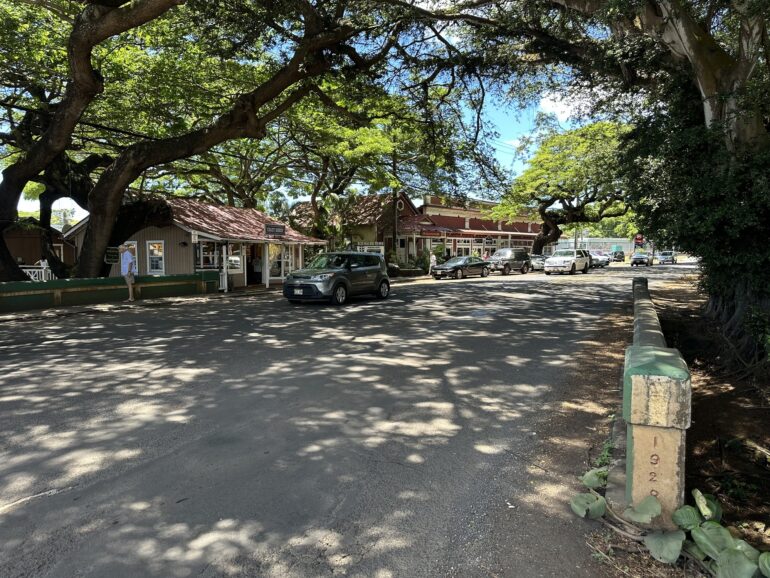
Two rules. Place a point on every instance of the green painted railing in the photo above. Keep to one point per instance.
(25, 295)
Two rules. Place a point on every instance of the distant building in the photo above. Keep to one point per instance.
(25, 242)
(606, 244)
(439, 222)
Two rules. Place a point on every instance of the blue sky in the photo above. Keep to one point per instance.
(513, 123)
(510, 122)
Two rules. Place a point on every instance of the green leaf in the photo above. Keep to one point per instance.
(712, 538)
(687, 518)
(588, 505)
(751, 552)
(764, 564)
(595, 478)
(644, 511)
(715, 507)
(665, 546)
(693, 550)
(732, 563)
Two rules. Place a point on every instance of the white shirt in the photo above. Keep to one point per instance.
(127, 263)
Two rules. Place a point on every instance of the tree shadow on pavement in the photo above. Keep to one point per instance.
(250, 437)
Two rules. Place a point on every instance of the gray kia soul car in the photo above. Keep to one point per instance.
(336, 276)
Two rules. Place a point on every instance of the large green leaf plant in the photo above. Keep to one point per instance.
(709, 543)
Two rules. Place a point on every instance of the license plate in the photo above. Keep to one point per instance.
(298, 291)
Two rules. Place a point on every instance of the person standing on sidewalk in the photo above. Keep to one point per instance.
(128, 269)
(432, 263)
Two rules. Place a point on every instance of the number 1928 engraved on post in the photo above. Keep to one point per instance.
(654, 461)
(658, 455)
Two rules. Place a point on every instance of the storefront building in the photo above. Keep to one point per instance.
(437, 223)
(457, 229)
(253, 248)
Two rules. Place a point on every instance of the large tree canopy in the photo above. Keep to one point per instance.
(573, 177)
(150, 82)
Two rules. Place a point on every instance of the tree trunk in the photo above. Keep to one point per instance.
(9, 268)
(719, 75)
(549, 233)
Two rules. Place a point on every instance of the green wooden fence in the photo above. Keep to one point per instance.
(25, 295)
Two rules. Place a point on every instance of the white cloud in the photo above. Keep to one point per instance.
(562, 108)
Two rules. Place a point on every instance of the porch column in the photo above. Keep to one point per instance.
(266, 265)
(245, 264)
(225, 264)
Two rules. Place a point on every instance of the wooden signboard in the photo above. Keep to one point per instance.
(273, 230)
(112, 255)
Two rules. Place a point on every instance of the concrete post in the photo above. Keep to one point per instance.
(656, 408)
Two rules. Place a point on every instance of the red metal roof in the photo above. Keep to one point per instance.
(421, 224)
(231, 223)
(449, 222)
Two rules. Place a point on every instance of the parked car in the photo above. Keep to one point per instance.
(507, 260)
(459, 267)
(537, 262)
(568, 261)
(618, 257)
(337, 276)
(599, 259)
(641, 258)
(667, 257)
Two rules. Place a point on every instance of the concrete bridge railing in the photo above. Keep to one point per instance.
(656, 409)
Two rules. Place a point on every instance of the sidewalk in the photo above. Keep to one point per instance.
(38, 314)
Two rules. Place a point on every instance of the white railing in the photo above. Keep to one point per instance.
(37, 273)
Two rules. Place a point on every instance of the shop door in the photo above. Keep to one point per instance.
(275, 263)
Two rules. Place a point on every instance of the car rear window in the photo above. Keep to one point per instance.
(372, 260)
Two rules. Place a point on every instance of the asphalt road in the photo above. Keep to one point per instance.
(249, 437)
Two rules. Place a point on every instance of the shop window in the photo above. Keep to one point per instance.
(208, 255)
(156, 259)
(235, 258)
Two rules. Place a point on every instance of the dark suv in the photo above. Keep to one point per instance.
(507, 260)
(336, 276)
